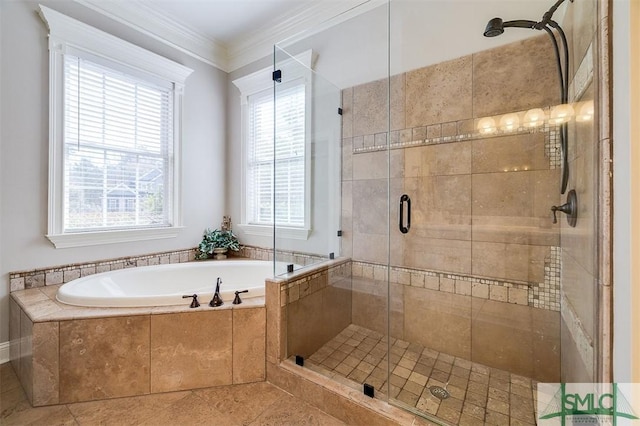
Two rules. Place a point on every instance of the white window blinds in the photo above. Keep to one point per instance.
(118, 159)
(288, 158)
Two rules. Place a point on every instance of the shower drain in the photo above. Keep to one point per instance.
(439, 392)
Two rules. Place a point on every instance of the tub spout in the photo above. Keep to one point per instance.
(217, 300)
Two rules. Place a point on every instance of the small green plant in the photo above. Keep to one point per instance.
(216, 239)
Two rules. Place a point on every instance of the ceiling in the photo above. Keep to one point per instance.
(225, 33)
(225, 20)
(230, 34)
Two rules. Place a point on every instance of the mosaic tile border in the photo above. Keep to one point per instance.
(41, 277)
(584, 343)
(538, 295)
(547, 294)
(583, 76)
(261, 253)
(294, 290)
(455, 131)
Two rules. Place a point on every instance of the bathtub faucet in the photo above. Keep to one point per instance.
(217, 300)
(194, 301)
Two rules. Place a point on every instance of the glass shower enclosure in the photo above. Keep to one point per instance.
(431, 172)
(306, 173)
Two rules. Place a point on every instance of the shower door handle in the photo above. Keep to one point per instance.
(404, 199)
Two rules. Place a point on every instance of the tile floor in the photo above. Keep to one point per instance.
(478, 394)
(251, 404)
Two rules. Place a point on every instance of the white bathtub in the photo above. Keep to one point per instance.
(162, 285)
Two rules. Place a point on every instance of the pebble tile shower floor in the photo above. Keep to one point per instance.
(478, 394)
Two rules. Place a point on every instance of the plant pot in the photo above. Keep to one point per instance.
(220, 253)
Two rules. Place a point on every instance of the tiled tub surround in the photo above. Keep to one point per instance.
(41, 277)
(65, 354)
(297, 258)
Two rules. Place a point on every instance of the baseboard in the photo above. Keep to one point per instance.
(4, 352)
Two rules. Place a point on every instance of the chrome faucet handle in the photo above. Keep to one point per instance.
(194, 302)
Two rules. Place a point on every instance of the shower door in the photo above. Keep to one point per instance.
(474, 279)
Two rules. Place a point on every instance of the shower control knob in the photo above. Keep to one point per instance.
(570, 208)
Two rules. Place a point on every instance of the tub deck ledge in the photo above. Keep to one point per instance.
(40, 305)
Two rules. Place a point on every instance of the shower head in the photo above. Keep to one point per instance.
(496, 26)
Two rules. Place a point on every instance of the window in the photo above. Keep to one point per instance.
(115, 112)
(289, 158)
(287, 193)
(117, 129)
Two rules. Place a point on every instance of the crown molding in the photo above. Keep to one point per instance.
(316, 15)
(150, 22)
(312, 18)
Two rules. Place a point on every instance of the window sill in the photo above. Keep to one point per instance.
(282, 232)
(82, 239)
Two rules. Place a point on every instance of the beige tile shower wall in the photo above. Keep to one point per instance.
(489, 322)
(480, 205)
(315, 307)
(580, 244)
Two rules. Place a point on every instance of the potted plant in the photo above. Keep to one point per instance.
(216, 243)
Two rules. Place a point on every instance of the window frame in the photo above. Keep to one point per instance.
(254, 84)
(72, 37)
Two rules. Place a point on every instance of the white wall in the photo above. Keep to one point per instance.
(622, 255)
(24, 139)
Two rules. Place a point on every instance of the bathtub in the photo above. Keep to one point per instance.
(163, 285)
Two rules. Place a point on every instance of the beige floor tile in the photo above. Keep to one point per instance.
(449, 415)
(191, 410)
(466, 420)
(241, 403)
(261, 403)
(473, 410)
(8, 378)
(23, 414)
(124, 411)
(289, 410)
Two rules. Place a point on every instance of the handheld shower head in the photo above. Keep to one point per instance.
(494, 28)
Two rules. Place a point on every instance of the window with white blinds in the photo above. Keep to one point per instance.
(118, 149)
(287, 155)
(115, 119)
